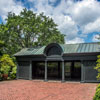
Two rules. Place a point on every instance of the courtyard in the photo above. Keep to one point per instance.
(51, 90)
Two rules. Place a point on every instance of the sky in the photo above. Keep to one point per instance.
(79, 20)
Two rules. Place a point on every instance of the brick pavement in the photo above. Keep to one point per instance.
(39, 90)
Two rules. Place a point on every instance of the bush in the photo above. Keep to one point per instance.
(98, 67)
(7, 67)
(97, 94)
(13, 73)
(98, 87)
(1, 76)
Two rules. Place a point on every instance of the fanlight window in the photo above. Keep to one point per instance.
(53, 49)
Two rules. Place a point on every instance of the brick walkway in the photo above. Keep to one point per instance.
(38, 90)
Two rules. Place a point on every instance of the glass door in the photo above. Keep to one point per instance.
(77, 70)
(38, 70)
(52, 70)
(73, 70)
(67, 70)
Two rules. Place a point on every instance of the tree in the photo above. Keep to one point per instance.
(98, 67)
(28, 29)
(1, 47)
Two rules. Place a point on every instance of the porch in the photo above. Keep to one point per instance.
(57, 70)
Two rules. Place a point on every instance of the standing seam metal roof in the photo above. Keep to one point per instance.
(68, 48)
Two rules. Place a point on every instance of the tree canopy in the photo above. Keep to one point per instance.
(28, 29)
(1, 47)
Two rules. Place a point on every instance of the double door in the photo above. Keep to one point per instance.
(73, 70)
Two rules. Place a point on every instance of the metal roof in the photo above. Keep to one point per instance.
(68, 49)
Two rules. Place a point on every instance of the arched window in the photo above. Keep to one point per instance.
(53, 49)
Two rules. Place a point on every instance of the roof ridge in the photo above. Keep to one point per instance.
(81, 43)
(68, 48)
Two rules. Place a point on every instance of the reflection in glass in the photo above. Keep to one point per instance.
(68, 70)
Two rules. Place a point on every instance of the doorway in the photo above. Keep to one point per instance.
(54, 70)
(38, 70)
(73, 70)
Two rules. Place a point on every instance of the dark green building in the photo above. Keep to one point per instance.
(59, 62)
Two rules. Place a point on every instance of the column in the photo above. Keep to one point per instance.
(45, 70)
(30, 71)
(72, 70)
(17, 77)
(63, 72)
(58, 69)
(82, 71)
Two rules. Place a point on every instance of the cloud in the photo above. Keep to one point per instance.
(86, 14)
(9, 6)
(65, 22)
(75, 40)
(85, 11)
(66, 25)
(92, 27)
(69, 14)
(66, 13)
(54, 2)
(96, 38)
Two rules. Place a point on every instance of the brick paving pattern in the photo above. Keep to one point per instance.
(39, 90)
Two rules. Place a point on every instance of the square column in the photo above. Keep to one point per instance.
(63, 72)
(30, 71)
(17, 75)
(59, 70)
(45, 71)
(82, 72)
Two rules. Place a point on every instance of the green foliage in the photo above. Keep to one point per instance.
(98, 87)
(98, 67)
(28, 30)
(1, 44)
(97, 94)
(25, 30)
(1, 47)
(1, 76)
(13, 73)
(7, 66)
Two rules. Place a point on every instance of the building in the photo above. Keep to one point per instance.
(59, 61)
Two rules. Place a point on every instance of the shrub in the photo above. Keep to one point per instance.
(13, 73)
(98, 87)
(1, 76)
(98, 67)
(7, 67)
(97, 94)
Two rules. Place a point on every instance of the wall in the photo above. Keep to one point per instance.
(89, 73)
(23, 70)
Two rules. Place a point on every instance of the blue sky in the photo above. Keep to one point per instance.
(79, 20)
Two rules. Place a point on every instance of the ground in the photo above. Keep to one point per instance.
(39, 90)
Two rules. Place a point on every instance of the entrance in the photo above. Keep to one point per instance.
(54, 70)
(73, 70)
(38, 70)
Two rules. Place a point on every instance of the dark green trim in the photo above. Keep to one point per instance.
(30, 70)
(17, 70)
(45, 70)
(63, 72)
